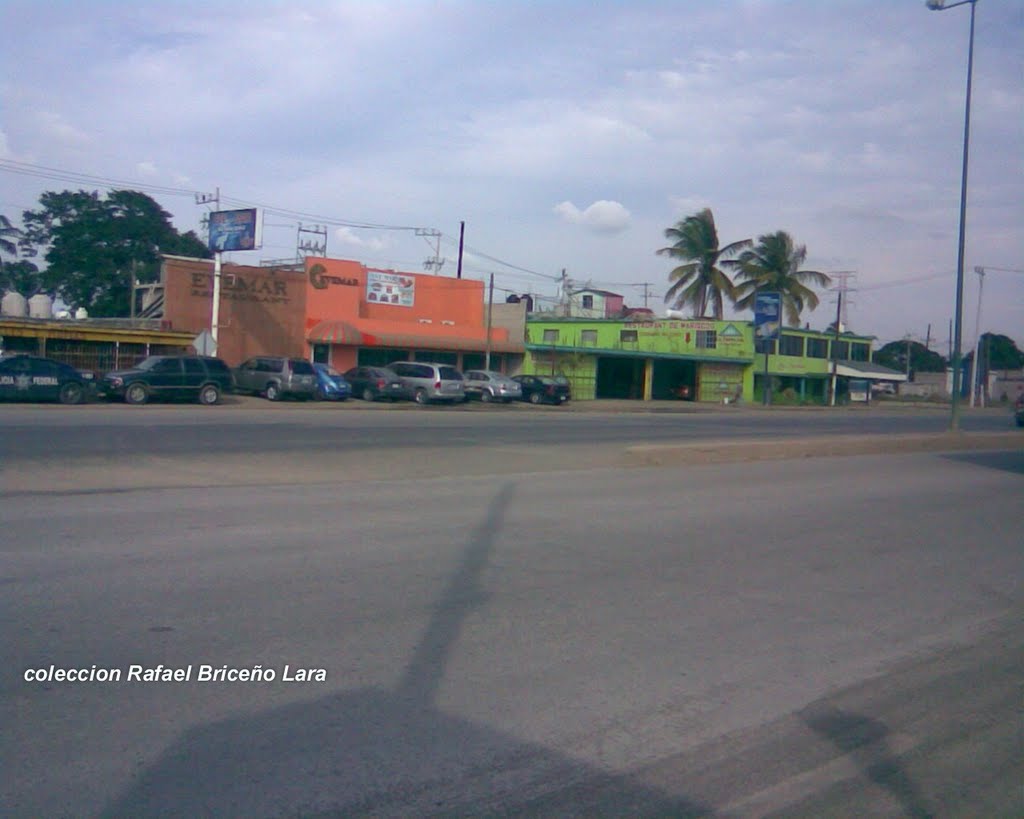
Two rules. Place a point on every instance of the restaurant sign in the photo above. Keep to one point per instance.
(390, 288)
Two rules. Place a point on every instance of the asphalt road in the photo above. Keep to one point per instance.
(254, 426)
(813, 637)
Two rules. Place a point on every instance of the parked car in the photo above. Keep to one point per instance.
(488, 385)
(165, 377)
(1018, 411)
(544, 389)
(330, 384)
(428, 382)
(375, 384)
(277, 377)
(34, 378)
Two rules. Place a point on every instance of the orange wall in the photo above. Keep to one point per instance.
(343, 296)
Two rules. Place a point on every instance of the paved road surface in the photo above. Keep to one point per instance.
(813, 637)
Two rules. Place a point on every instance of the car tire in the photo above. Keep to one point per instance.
(486, 396)
(71, 393)
(368, 394)
(136, 394)
(273, 392)
(421, 397)
(209, 394)
(535, 398)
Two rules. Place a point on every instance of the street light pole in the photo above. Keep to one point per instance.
(954, 416)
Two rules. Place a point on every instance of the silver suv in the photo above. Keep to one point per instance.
(277, 377)
(428, 382)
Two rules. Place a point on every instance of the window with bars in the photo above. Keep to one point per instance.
(707, 339)
(791, 345)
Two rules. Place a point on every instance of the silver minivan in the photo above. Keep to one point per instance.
(427, 381)
(277, 377)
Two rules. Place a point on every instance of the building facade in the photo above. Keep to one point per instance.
(346, 314)
(699, 359)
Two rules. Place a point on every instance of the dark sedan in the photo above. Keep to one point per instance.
(376, 383)
(544, 389)
(33, 378)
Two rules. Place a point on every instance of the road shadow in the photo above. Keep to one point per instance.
(386, 752)
(865, 740)
(1006, 460)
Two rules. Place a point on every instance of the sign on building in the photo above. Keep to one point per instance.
(390, 288)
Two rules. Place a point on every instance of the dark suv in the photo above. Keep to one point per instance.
(277, 377)
(165, 377)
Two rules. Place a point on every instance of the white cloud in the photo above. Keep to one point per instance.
(602, 216)
(349, 237)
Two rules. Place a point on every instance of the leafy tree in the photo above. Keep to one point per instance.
(8, 235)
(699, 281)
(95, 245)
(922, 360)
(773, 265)
(21, 275)
(1000, 352)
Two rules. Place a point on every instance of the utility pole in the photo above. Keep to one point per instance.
(437, 262)
(490, 310)
(835, 351)
(310, 247)
(976, 381)
(462, 236)
(206, 199)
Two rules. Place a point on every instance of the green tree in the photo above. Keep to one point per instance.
(773, 265)
(20, 275)
(95, 245)
(922, 360)
(1000, 352)
(699, 281)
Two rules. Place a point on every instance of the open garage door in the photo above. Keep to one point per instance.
(671, 376)
(620, 378)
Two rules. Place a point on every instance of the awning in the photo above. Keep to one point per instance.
(346, 332)
(335, 332)
(867, 369)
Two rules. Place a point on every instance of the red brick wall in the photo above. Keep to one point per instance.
(261, 311)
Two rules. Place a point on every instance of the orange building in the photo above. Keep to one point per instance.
(343, 313)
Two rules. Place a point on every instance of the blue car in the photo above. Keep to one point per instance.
(330, 384)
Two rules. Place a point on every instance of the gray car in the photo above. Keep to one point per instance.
(277, 377)
(488, 385)
(427, 381)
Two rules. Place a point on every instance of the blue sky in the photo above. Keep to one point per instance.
(565, 134)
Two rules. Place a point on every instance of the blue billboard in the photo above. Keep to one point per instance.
(767, 316)
(235, 230)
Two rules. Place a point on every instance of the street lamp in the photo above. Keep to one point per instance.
(954, 416)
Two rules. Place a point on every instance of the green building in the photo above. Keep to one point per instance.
(697, 359)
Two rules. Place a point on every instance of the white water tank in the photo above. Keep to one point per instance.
(40, 306)
(14, 305)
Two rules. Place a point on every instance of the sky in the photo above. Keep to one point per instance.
(564, 135)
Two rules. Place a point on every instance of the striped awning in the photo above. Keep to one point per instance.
(335, 332)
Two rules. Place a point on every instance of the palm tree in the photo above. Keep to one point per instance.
(6, 245)
(700, 280)
(774, 265)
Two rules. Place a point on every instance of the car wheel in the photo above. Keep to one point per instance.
(71, 393)
(273, 392)
(421, 397)
(486, 396)
(368, 394)
(209, 395)
(535, 398)
(136, 394)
